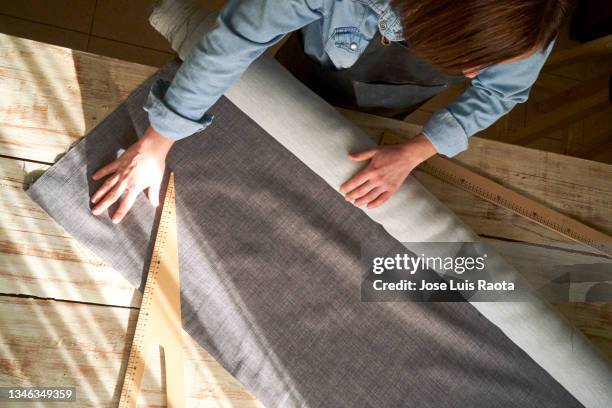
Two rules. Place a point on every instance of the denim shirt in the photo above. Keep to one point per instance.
(335, 32)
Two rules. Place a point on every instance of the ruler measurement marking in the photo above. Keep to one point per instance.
(493, 192)
(138, 352)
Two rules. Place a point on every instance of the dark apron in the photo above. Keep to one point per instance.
(388, 79)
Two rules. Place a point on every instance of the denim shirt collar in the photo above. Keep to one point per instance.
(389, 23)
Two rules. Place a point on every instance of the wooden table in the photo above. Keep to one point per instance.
(67, 319)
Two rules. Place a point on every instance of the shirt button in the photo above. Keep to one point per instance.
(353, 46)
(382, 25)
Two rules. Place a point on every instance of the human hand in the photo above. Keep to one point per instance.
(387, 169)
(140, 167)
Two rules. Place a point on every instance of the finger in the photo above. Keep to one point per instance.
(106, 170)
(360, 191)
(153, 195)
(380, 200)
(371, 196)
(364, 155)
(104, 188)
(110, 198)
(355, 181)
(125, 205)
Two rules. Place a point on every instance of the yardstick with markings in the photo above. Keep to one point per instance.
(493, 192)
(159, 318)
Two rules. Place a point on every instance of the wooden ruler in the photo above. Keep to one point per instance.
(159, 319)
(489, 190)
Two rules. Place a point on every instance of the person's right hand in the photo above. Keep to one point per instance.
(140, 167)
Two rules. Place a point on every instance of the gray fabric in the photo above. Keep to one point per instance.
(320, 137)
(270, 278)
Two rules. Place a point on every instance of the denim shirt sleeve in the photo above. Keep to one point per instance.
(493, 93)
(242, 32)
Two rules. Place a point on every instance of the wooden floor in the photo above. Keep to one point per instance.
(576, 187)
(568, 111)
(67, 319)
(115, 28)
(120, 29)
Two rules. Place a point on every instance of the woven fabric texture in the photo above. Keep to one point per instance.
(270, 277)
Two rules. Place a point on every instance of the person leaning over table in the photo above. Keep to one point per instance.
(381, 56)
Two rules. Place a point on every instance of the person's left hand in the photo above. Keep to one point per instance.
(388, 168)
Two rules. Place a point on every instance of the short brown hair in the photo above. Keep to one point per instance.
(454, 35)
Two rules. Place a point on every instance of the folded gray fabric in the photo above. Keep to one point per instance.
(271, 274)
(320, 137)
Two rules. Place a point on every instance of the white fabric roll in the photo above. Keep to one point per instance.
(321, 138)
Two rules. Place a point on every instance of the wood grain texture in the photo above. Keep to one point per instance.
(567, 112)
(38, 258)
(70, 14)
(52, 96)
(51, 343)
(541, 264)
(564, 114)
(128, 52)
(600, 46)
(578, 188)
(594, 320)
(127, 21)
(42, 32)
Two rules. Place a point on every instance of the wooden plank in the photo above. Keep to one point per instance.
(540, 264)
(52, 343)
(563, 115)
(549, 84)
(128, 22)
(551, 93)
(92, 75)
(42, 32)
(593, 320)
(600, 46)
(575, 93)
(458, 175)
(128, 52)
(553, 90)
(597, 138)
(52, 96)
(570, 105)
(601, 153)
(573, 69)
(38, 258)
(578, 188)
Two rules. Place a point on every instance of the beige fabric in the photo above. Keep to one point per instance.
(319, 136)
